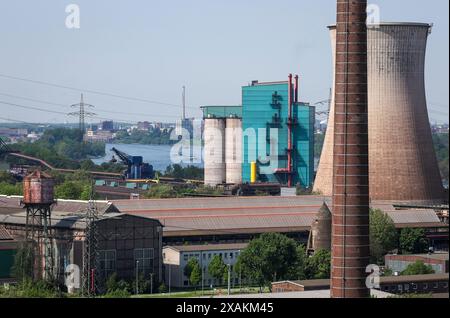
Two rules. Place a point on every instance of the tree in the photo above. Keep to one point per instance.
(297, 271)
(383, 235)
(413, 241)
(318, 266)
(418, 268)
(192, 262)
(217, 268)
(269, 258)
(70, 190)
(196, 275)
(23, 268)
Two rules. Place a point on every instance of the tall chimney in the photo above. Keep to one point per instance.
(350, 229)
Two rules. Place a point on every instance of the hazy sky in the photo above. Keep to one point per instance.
(149, 49)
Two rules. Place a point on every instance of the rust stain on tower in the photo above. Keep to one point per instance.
(350, 229)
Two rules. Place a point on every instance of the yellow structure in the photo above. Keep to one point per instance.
(253, 172)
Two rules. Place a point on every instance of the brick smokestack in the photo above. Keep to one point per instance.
(350, 229)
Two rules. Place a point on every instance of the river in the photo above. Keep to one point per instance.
(156, 155)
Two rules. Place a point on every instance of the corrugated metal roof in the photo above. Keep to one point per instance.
(195, 216)
(4, 235)
(76, 221)
(11, 205)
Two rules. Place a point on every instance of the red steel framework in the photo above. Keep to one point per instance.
(350, 230)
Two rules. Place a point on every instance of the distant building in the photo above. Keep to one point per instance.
(13, 132)
(143, 126)
(100, 135)
(176, 258)
(107, 125)
(398, 263)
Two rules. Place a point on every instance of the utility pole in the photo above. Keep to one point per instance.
(229, 279)
(137, 277)
(151, 283)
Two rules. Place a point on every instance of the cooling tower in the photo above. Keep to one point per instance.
(403, 164)
(214, 151)
(350, 220)
(233, 150)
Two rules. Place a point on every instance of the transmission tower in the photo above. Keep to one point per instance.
(82, 113)
(90, 253)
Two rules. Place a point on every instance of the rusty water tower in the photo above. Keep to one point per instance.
(38, 198)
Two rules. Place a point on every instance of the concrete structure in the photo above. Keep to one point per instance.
(350, 253)
(398, 263)
(233, 150)
(214, 151)
(320, 234)
(403, 163)
(177, 257)
(126, 244)
(417, 284)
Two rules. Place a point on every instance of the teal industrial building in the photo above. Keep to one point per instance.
(276, 132)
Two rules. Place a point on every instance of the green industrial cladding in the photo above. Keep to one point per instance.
(265, 107)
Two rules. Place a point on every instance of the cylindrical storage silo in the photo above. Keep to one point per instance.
(233, 150)
(214, 151)
(38, 188)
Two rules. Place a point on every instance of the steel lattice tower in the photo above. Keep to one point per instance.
(82, 113)
(90, 251)
(350, 221)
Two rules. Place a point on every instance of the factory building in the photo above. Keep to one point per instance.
(177, 257)
(126, 243)
(403, 163)
(288, 156)
(269, 139)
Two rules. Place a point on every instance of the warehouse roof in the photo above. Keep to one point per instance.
(64, 220)
(235, 215)
(208, 247)
(11, 205)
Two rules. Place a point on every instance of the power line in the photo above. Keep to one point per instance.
(98, 109)
(142, 100)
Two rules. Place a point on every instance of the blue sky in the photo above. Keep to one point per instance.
(150, 49)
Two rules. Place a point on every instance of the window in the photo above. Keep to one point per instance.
(209, 255)
(107, 262)
(425, 286)
(414, 286)
(185, 257)
(436, 285)
(143, 259)
(231, 255)
(406, 287)
(204, 256)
